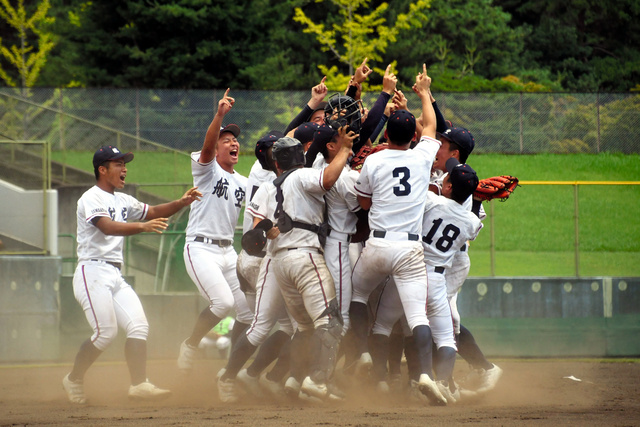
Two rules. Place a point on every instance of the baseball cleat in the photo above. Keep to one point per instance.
(74, 389)
(429, 388)
(227, 390)
(314, 389)
(383, 387)
(186, 357)
(147, 391)
(273, 388)
(292, 388)
(443, 387)
(249, 383)
(363, 365)
(489, 378)
(415, 394)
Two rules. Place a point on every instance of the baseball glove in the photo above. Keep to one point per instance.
(497, 187)
(358, 160)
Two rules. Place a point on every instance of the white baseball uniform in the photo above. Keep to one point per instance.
(106, 298)
(248, 266)
(209, 256)
(299, 266)
(269, 305)
(342, 202)
(396, 181)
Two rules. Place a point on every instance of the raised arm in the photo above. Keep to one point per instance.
(332, 172)
(318, 93)
(421, 87)
(210, 145)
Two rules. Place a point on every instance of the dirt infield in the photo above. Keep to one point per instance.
(531, 392)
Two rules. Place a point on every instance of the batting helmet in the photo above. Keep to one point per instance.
(288, 153)
(342, 110)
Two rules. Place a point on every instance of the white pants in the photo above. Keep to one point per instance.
(213, 270)
(403, 261)
(336, 255)
(455, 276)
(270, 307)
(108, 302)
(438, 310)
(306, 285)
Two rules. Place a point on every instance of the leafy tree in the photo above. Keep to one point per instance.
(23, 55)
(352, 36)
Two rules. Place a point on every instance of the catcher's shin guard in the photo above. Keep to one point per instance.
(326, 340)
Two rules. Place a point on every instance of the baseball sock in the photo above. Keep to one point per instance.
(360, 325)
(469, 350)
(422, 338)
(135, 352)
(87, 354)
(396, 348)
(300, 354)
(268, 352)
(239, 329)
(379, 349)
(281, 368)
(241, 351)
(444, 363)
(206, 321)
(413, 359)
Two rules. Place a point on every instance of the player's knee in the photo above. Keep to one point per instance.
(221, 308)
(138, 330)
(105, 337)
(380, 329)
(258, 335)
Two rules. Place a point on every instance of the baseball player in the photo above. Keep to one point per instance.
(392, 185)
(98, 285)
(269, 309)
(313, 111)
(209, 256)
(298, 264)
(458, 143)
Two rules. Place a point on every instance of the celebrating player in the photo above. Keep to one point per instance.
(106, 298)
(209, 255)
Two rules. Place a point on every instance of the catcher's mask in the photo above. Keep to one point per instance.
(288, 152)
(342, 111)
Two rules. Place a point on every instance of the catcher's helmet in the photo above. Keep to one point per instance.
(288, 152)
(343, 110)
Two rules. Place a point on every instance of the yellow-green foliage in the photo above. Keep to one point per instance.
(358, 36)
(25, 58)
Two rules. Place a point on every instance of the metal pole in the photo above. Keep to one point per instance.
(62, 142)
(576, 229)
(598, 120)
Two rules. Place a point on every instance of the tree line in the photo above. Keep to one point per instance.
(470, 45)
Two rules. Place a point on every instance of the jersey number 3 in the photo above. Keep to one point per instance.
(404, 188)
(449, 234)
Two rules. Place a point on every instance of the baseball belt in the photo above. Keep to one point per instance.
(117, 265)
(395, 235)
(339, 236)
(221, 243)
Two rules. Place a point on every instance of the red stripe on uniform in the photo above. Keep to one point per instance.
(255, 315)
(95, 318)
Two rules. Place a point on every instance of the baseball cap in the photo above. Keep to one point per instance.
(323, 135)
(460, 136)
(109, 152)
(234, 129)
(263, 145)
(462, 177)
(401, 127)
(304, 132)
(253, 241)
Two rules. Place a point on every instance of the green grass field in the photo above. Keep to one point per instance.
(533, 232)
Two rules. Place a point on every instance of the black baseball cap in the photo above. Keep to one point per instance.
(109, 152)
(461, 137)
(234, 129)
(323, 135)
(304, 132)
(401, 127)
(263, 145)
(253, 241)
(462, 177)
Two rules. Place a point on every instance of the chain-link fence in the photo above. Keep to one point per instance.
(82, 119)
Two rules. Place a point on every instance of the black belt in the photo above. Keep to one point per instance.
(380, 234)
(463, 248)
(221, 243)
(115, 264)
(309, 249)
(439, 270)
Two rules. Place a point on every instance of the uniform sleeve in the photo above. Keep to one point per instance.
(203, 173)
(427, 147)
(257, 207)
(135, 208)
(90, 206)
(348, 190)
(311, 180)
(477, 226)
(363, 185)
